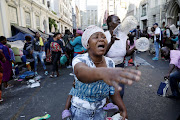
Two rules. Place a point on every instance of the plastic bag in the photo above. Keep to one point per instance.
(163, 87)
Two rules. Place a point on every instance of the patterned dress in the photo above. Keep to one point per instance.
(90, 95)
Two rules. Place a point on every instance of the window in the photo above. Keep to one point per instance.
(144, 22)
(37, 22)
(48, 4)
(143, 10)
(123, 4)
(13, 16)
(43, 2)
(28, 19)
(154, 18)
(61, 29)
(95, 13)
(88, 17)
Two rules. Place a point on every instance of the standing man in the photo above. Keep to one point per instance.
(174, 77)
(117, 48)
(56, 46)
(157, 40)
(138, 32)
(69, 47)
(38, 49)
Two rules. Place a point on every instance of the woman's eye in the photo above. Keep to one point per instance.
(95, 37)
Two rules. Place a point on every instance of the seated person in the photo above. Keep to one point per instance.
(174, 77)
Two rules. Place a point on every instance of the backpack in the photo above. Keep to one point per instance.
(55, 47)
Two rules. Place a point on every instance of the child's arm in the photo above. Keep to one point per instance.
(116, 98)
(68, 102)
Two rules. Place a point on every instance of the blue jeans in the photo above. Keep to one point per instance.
(156, 46)
(35, 55)
(174, 80)
(86, 114)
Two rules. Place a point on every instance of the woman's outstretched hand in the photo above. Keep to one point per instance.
(114, 76)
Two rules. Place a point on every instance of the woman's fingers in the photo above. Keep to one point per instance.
(124, 81)
(136, 72)
(123, 76)
(116, 86)
(126, 76)
(130, 74)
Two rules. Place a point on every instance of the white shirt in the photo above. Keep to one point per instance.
(168, 33)
(157, 31)
(118, 49)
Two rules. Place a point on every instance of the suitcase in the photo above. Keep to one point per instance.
(163, 87)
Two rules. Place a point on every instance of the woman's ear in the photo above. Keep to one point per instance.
(88, 46)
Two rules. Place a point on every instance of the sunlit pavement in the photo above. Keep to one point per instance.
(141, 99)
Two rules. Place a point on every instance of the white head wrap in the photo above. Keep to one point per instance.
(88, 32)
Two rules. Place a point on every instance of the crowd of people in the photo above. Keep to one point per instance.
(167, 44)
(98, 59)
(35, 49)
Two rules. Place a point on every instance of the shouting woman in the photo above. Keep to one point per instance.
(96, 79)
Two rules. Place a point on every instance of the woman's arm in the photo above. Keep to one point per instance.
(111, 76)
(171, 68)
(75, 41)
(116, 99)
(175, 39)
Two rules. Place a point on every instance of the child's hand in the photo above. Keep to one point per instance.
(124, 115)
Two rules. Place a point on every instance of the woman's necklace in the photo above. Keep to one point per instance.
(97, 62)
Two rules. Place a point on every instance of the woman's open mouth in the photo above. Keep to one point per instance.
(101, 46)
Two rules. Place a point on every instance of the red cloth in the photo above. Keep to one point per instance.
(80, 52)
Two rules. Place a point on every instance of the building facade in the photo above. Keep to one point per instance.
(76, 14)
(116, 7)
(88, 13)
(63, 9)
(34, 14)
(27, 13)
(149, 12)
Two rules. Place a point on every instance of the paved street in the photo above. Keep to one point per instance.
(141, 100)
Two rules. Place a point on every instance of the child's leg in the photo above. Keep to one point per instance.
(68, 102)
(126, 61)
(66, 113)
(134, 59)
